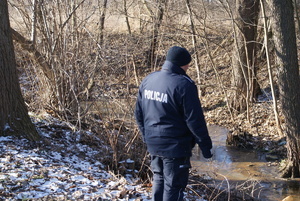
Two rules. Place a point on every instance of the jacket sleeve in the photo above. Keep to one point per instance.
(139, 117)
(195, 120)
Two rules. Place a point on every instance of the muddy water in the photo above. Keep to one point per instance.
(244, 167)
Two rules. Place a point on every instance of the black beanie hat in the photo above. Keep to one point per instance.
(178, 56)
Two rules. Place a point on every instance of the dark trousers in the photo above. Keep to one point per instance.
(170, 177)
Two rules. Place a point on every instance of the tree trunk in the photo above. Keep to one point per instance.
(194, 39)
(14, 114)
(244, 71)
(33, 22)
(102, 20)
(126, 16)
(283, 27)
(74, 25)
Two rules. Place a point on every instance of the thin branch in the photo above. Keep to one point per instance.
(279, 129)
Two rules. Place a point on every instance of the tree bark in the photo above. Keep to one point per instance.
(14, 114)
(283, 27)
(244, 71)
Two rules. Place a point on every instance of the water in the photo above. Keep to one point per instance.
(244, 168)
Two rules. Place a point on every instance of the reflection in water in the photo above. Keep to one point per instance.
(244, 165)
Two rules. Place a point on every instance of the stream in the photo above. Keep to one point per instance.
(244, 168)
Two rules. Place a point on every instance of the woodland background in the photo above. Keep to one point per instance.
(82, 62)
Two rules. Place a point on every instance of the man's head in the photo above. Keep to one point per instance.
(178, 56)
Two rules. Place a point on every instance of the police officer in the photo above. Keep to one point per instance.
(170, 117)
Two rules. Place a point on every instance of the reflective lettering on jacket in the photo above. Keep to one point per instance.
(156, 96)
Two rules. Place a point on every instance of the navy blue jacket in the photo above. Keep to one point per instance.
(169, 114)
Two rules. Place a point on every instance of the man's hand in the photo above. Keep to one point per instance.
(207, 154)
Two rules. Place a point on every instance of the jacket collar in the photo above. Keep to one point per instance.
(169, 66)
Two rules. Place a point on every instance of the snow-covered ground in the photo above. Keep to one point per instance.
(57, 171)
(61, 168)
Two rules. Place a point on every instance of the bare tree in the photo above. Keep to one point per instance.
(288, 79)
(14, 114)
(244, 71)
